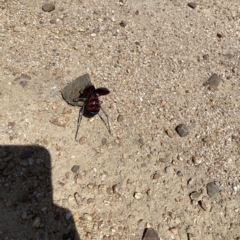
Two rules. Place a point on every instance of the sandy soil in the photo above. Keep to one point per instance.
(155, 57)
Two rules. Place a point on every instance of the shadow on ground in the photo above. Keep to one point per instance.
(26, 205)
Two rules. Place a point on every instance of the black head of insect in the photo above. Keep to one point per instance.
(92, 104)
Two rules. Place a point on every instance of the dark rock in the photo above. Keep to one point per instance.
(75, 168)
(192, 5)
(48, 7)
(214, 81)
(182, 130)
(220, 35)
(123, 23)
(212, 189)
(150, 234)
(205, 57)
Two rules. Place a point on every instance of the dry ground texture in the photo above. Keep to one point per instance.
(156, 58)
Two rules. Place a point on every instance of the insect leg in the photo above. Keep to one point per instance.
(107, 120)
(81, 111)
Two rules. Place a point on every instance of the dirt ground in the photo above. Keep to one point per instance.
(155, 57)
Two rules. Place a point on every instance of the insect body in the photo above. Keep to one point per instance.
(92, 105)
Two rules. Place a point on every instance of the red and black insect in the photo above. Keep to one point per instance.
(92, 104)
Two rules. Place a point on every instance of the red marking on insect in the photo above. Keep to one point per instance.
(92, 104)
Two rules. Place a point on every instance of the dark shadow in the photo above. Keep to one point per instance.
(27, 211)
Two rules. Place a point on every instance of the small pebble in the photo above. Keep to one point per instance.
(169, 169)
(90, 200)
(104, 141)
(149, 192)
(123, 23)
(220, 35)
(77, 198)
(53, 21)
(24, 215)
(191, 181)
(207, 139)
(212, 189)
(214, 82)
(169, 133)
(229, 55)
(54, 93)
(138, 195)
(156, 176)
(76, 217)
(150, 234)
(66, 110)
(174, 230)
(141, 224)
(75, 168)
(179, 173)
(163, 160)
(205, 205)
(195, 195)
(235, 70)
(197, 160)
(36, 222)
(82, 140)
(116, 188)
(48, 7)
(23, 83)
(59, 121)
(71, 201)
(87, 217)
(68, 215)
(192, 5)
(44, 209)
(120, 118)
(182, 130)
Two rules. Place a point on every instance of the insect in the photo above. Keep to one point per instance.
(92, 104)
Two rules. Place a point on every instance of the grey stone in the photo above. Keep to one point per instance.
(75, 168)
(214, 81)
(182, 130)
(150, 234)
(192, 5)
(73, 90)
(120, 118)
(212, 189)
(48, 7)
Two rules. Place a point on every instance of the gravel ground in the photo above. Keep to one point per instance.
(172, 161)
